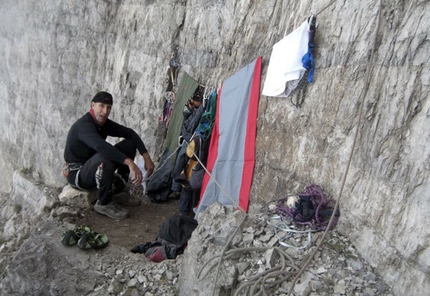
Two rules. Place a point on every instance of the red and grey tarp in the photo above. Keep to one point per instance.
(231, 155)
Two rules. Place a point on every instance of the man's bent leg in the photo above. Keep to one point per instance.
(87, 180)
(128, 148)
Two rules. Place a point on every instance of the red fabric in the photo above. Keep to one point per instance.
(93, 115)
(250, 85)
(251, 131)
(157, 255)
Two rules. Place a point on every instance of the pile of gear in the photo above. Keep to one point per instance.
(171, 240)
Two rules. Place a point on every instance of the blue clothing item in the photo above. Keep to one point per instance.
(308, 63)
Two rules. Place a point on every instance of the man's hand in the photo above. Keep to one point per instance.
(135, 173)
(149, 165)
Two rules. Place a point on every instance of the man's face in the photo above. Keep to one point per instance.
(101, 111)
(195, 104)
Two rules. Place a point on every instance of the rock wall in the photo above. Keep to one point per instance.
(371, 55)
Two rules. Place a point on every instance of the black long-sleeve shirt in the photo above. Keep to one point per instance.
(87, 138)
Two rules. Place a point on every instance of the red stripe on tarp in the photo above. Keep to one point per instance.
(213, 147)
(251, 132)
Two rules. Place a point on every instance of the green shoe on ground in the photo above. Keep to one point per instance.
(85, 238)
(69, 238)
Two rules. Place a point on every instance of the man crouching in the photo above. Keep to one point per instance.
(91, 162)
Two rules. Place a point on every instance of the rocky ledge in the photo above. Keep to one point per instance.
(254, 262)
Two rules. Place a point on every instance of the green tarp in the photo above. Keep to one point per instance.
(186, 89)
(159, 185)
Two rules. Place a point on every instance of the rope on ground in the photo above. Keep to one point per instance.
(223, 252)
(277, 223)
(264, 279)
(363, 96)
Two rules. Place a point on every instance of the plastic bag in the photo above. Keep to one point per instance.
(140, 162)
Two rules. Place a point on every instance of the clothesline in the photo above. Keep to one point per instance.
(314, 14)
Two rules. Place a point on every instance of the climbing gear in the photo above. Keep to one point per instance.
(69, 167)
(283, 232)
(85, 238)
(111, 210)
(300, 92)
(174, 65)
(309, 64)
(312, 208)
(305, 210)
(204, 129)
(99, 175)
(167, 109)
(188, 169)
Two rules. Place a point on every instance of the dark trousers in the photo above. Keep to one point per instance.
(188, 200)
(87, 180)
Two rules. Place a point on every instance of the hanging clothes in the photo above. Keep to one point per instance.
(285, 66)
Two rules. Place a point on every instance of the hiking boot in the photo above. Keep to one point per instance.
(125, 199)
(111, 210)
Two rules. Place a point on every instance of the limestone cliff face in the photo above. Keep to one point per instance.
(372, 55)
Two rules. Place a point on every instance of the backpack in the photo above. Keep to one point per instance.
(176, 230)
(195, 171)
(311, 207)
(158, 186)
(304, 209)
(187, 170)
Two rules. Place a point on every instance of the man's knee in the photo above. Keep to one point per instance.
(109, 167)
(127, 147)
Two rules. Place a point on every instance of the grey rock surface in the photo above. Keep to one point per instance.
(37, 263)
(56, 54)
